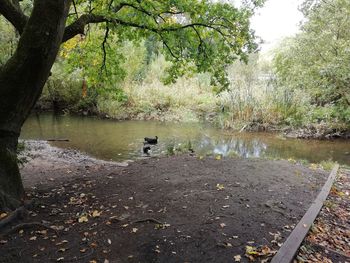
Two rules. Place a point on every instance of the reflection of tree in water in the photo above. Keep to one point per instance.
(232, 146)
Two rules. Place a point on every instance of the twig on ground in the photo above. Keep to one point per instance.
(211, 211)
(151, 220)
(29, 225)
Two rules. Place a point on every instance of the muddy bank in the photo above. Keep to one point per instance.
(313, 131)
(43, 163)
(319, 132)
(170, 209)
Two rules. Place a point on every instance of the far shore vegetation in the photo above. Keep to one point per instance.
(301, 84)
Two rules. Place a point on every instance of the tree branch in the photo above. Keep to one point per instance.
(13, 14)
(103, 66)
(78, 26)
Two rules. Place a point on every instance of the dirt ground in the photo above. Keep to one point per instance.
(170, 209)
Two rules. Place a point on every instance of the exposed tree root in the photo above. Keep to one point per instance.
(29, 225)
(19, 213)
(7, 202)
(151, 220)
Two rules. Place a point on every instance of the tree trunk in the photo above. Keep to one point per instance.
(11, 188)
(21, 81)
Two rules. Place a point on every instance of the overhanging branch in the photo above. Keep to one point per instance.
(78, 26)
(13, 14)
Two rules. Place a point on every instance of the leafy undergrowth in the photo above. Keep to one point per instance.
(329, 238)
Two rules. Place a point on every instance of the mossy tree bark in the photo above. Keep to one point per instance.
(21, 81)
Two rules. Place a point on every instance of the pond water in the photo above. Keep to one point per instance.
(122, 140)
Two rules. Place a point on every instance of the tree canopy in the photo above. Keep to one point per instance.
(317, 59)
(202, 36)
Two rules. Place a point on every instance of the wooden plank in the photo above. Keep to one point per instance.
(57, 140)
(290, 247)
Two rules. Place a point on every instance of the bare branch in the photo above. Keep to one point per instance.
(13, 14)
(104, 48)
(75, 9)
(165, 43)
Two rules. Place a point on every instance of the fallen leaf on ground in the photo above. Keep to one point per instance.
(96, 213)
(237, 258)
(93, 245)
(254, 252)
(220, 187)
(161, 226)
(3, 215)
(83, 219)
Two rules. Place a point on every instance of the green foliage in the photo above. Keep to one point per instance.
(316, 61)
(86, 54)
(328, 165)
(253, 97)
(170, 149)
(196, 36)
(8, 41)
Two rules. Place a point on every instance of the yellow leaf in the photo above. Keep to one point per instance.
(3, 215)
(219, 187)
(96, 213)
(218, 157)
(250, 250)
(83, 219)
(313, 166)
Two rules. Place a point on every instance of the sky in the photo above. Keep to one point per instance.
(276, 20)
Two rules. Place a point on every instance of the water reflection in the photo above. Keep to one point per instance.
(112, 140)
(234, 147)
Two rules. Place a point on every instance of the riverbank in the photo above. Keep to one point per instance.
(319, 131)
(170, 209)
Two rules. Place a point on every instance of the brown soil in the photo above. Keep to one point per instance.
(170, 209)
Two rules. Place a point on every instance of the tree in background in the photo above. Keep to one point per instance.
(203, 33)
(316, 61)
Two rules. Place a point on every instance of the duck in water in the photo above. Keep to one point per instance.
(146, 149)
(151, 140)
